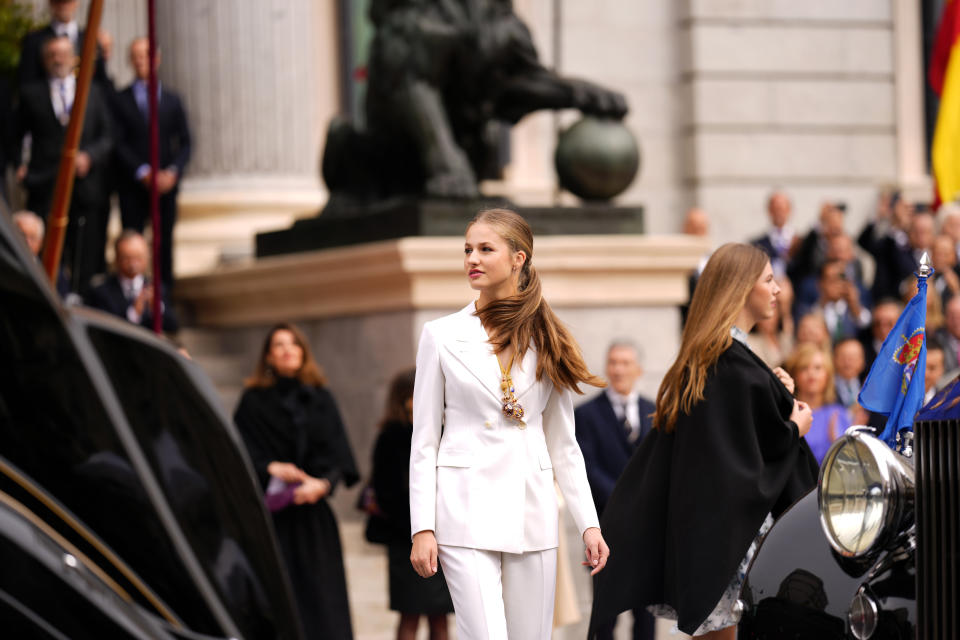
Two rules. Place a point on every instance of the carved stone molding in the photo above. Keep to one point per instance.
(426, 273)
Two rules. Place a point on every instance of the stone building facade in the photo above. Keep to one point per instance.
(729, 98)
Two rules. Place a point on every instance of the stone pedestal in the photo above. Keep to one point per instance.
(413, 217)
(363, 307)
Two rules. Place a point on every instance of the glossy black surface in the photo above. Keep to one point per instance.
(55, 426)
(798, 588)
(133, 447)
(195, 454)
(47, 592)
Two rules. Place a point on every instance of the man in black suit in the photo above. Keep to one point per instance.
(884, 316)
(44, 113)
(778, 241)
(133, 151)
(888, 239)
(128, 293)
(811, 252)
(609, 429)
(62, 23)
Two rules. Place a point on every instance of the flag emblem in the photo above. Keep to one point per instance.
(906, 355)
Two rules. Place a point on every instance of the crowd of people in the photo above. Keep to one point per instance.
(832, 318)
(113, 153)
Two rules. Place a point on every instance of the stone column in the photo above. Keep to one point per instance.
(259, 81)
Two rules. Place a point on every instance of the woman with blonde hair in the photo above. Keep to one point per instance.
(812, 369)
(492, 426)
(725, 454)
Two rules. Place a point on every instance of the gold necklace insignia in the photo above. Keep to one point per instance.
(509, 403)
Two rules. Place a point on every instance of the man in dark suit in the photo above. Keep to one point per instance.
(128, 293)
(44, 113)
(884, 316)
(62, 23)
(133, 152)
(811, 252)
(609, 429)
(888, 240)
(779, 240)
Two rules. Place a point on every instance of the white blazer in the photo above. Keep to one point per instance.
(476, 479)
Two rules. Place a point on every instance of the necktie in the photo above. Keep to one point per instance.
(625, 422)
(65, 112)
(141, 98)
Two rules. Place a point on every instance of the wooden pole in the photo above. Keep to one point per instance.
(152, 103)
(58, 218)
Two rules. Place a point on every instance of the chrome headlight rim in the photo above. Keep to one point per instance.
(896, 485)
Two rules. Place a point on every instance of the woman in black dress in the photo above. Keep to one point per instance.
(293, 432)
(725, 457)
(410, 595)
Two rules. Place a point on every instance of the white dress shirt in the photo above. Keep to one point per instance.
(627, 409)
(62, 92)
(131, 289)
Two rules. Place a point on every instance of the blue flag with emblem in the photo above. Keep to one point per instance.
(894, 386)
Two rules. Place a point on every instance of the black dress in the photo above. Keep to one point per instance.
(293, 422)
(690, 502)
(409, 593)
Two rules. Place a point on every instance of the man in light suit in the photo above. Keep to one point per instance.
(133, 153)
(609, 429)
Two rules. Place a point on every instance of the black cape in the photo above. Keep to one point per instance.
(293, 422)
(689, 503)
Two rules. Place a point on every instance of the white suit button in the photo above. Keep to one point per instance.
(488, 424)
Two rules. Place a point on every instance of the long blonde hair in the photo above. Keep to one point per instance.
(526, 316)
(801, 358)
(721, 294)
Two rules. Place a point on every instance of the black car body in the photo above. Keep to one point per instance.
(128, 507)
(873, 552)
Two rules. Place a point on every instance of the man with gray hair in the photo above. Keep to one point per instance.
(609, 429)
(33, 230)
(32, 227)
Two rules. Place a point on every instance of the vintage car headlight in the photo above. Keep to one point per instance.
(865, 494)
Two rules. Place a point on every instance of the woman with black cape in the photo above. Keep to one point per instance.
(726, 456)
(299, 449)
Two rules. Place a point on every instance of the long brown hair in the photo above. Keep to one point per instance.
(401, 390)
(264, 375)
(526, 316)
(721, 294)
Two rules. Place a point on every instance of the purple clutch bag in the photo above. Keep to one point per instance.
(279, 494)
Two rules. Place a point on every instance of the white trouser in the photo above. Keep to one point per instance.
(501, 596)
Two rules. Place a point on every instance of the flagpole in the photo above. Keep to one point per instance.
(58, 217)
(154, 167)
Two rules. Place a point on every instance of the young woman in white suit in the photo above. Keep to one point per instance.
(492, 425)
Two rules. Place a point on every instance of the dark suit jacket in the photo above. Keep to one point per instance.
(604, 443)
(37, 117)
(109, 297)
(31, 67)
(894, 262)
(133, 135)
